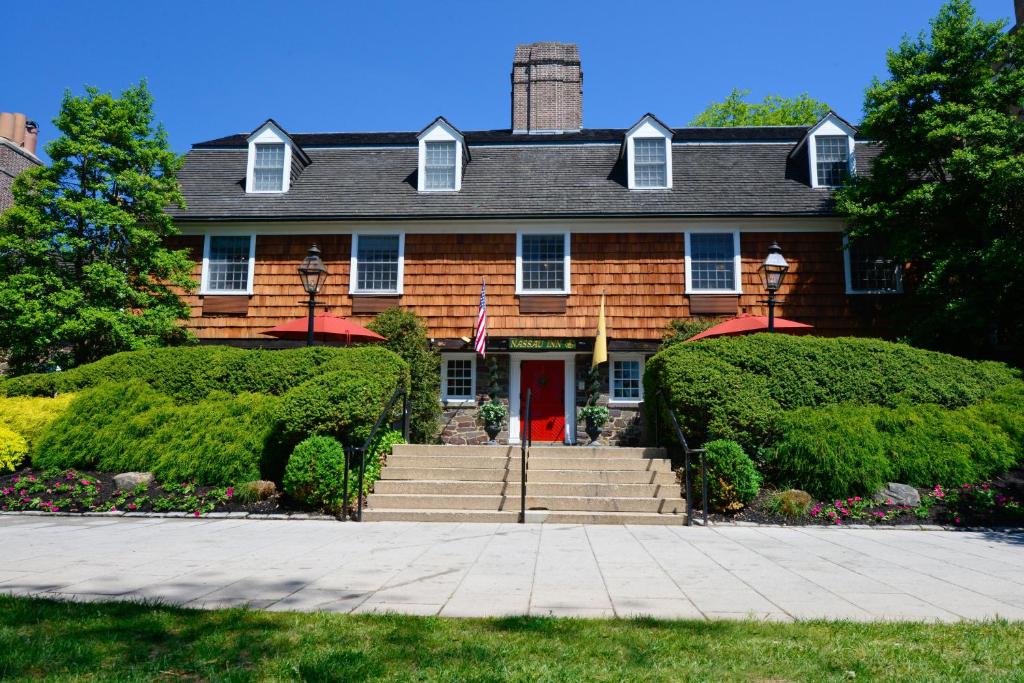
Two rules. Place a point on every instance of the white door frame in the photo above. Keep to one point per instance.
(515, 384)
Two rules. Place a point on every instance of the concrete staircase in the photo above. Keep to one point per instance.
(566, 484)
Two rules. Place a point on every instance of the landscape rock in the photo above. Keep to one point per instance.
(129, 480)
(898, 494)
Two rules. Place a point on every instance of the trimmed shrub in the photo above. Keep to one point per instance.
(843, 450)
(315, 474)
(13, 449)
(28, 416)
(351, 395)
(132, 427)
(739, 387)
(189, 373)
(733, 481)
(407, 336)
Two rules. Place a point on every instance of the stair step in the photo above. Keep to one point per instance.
(539, 462)
(544, 451)
(400, 501)
(471, 461)
(448, 474)
(537, 476)
(532, 517)
(511, 488)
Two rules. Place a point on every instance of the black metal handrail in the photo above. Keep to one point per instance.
(687, 453)
(400, 391)
(525, 441)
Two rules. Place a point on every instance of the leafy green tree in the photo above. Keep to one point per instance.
(84, 271)
(946, 192)
(774, 110)
(407, 336)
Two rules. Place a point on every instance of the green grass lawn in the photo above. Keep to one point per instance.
(41, 639)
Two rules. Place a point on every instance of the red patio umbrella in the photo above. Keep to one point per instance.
(326, 327)
(749, 324)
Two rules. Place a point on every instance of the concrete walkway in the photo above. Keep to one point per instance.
(499, 569)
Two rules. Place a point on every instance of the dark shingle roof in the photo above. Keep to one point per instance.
(373, 175)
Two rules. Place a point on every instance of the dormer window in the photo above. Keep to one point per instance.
(648, 150)
(440, 165)
(268, 168)
(829, 151)
(442, 157)
(833, 159)
(649, 164)
(275, 160)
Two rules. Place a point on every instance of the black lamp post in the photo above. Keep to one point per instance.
(773, 271)
(312, 273)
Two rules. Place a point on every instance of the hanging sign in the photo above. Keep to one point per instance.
(541, 344)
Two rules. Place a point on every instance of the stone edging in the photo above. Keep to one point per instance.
(332, 518)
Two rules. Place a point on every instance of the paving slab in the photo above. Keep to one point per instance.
(499, 569)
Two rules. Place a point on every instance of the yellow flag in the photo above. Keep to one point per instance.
(601, 342)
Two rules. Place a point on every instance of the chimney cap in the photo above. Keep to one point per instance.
(547, 51)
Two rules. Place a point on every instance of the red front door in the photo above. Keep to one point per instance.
(546, 380)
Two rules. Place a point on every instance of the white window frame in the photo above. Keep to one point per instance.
(455, 401)
(204, 277)
(830, 126)
(439, 131)
(737, 263)
(566, 265)
(848, 275)
(615, 358)
(648, 127)
(354, 265)
(268, 134)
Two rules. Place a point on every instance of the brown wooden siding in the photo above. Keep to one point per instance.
(642, 275)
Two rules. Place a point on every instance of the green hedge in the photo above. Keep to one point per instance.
(842, 450)
(121, 427)
(188, 374)
(739, 387)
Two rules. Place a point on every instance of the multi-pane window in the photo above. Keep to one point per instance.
(268, 168)
(377, 259)
(833, 158)
(649, 167)
(440, 165)
(543, 263)
(871, 270)
(459, 381)
(626, 379)
(228, 264)
(712, 261)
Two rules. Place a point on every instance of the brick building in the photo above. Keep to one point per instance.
(667, 222)
(18, 138)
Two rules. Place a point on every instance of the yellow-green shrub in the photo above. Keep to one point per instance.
(13, 449)
(29, 416)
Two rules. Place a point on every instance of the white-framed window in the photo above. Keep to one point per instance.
(440, 164)
(228, 264)
(458, 379)
(626, 378)
(649, 155)
(830, 151)
(649, 162)
(713, 263)
(870, 269)
(270, 160)
(442, 149)
(377, 264)
(542, 263)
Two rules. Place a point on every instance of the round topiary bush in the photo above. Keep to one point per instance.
(315, 474)
(13, 449)
(733, 480)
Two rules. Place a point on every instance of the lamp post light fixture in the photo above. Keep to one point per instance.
(312, 272)
(773, 272)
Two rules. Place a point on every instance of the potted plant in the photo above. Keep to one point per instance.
(596, 416)
(492, 414)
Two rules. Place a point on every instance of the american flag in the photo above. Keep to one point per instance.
(480, 337)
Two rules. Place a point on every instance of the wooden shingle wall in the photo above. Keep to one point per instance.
(641, 273)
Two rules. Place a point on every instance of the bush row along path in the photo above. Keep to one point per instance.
(505, 569)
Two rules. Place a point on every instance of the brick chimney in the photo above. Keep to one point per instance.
(547, 88)
(18, 137)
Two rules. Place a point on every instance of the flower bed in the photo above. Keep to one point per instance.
(76, 491)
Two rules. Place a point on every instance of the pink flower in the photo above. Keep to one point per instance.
(132, 506)
(230, 491)
(196, 513)
(85, 482)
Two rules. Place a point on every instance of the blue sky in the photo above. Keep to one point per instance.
(220, 67)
